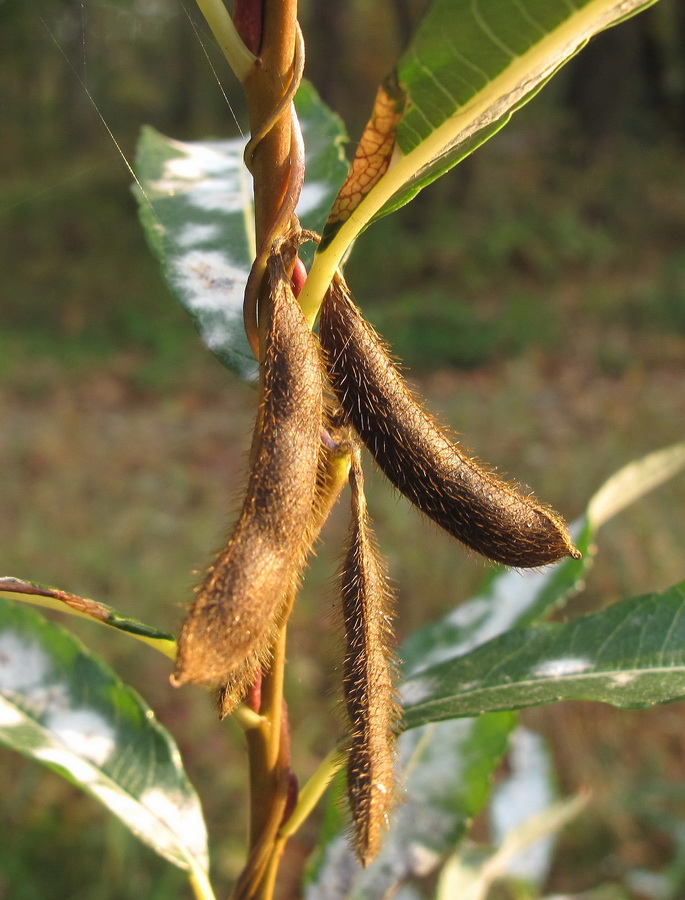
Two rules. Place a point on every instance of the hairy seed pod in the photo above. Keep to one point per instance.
(334, 466)
(368, 679)
(471, 503)
(239, 682)
(227, 634)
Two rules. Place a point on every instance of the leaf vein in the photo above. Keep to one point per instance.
(470, 65)
(527, 16)
(488, 32)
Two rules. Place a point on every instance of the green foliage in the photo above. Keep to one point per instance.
(629, 655)
(195, 204)
(64, 708)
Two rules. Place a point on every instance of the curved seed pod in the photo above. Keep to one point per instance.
(230, 626)
(368, 679)
(334, 466)
(465, 499)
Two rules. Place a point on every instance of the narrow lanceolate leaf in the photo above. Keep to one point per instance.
(471, 64)
(63, 601)
(629, 655)
(195, 204)
(63, 707)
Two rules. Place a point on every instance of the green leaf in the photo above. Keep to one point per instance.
(60, 705)
(447, 770)
(470, 66)
(63, 601)
(629, 655)
(195, 204)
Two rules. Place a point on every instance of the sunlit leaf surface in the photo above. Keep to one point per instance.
(196, 208)
(63, 707)
(631, 654)
(469, 67)
(472, 63)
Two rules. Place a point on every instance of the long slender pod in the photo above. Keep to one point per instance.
(228, 631)
(471, 503)
(368, 679)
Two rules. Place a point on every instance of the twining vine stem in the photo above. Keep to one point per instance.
(275, 157)
(286, 211)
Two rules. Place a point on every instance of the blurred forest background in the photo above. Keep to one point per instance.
(537, 292)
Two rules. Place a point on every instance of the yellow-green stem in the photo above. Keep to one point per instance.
(272, 692)
(202, 890)
(246, 718)
(239, 58)
(312, 792)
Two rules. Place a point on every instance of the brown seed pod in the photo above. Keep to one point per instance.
(368, 679)
(471, 503)
(227, 634)
(334, 466)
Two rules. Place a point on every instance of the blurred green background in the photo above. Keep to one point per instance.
(536, 294)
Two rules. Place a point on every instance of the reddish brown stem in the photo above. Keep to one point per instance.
(288, 191)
